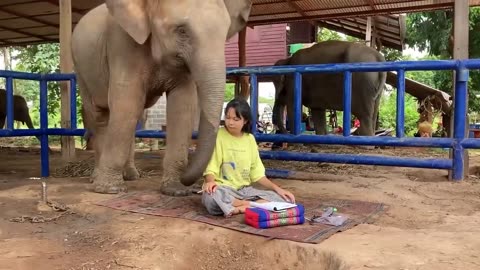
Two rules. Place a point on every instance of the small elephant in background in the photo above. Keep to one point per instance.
(322, 91)
(20, 109)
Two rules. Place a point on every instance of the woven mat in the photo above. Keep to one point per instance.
(190, 208)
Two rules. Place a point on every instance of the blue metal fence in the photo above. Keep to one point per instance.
(458, 143)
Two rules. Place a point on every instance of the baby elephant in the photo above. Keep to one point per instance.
(20, 109)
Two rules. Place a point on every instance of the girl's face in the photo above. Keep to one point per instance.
(233, 123)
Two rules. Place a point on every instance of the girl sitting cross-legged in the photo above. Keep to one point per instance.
(235, 165)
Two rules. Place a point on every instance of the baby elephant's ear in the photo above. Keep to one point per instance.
(131, 16)
(239, 11)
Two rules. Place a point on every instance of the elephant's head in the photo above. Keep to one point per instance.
(191, 33)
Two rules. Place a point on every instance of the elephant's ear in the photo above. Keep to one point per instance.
(239, 11)
(131, 15)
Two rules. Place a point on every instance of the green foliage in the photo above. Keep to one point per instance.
(325, 34)
(430, 31)
(229, 92)
(392, 54)
(388, 112)
(44, 58)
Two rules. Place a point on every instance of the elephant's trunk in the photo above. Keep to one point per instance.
(210, 77)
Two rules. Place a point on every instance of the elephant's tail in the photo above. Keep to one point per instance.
(381, 85)
(382, 78)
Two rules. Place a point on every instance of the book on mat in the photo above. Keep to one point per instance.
(259, 214)
(273, 206)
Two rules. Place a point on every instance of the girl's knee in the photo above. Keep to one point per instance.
(211, 205)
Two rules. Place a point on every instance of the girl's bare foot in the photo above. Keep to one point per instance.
(235, 211)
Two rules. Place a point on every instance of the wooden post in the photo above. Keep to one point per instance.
(460, 51)
(368, 34)
(242, 62)
(237, 88)
(66, 66)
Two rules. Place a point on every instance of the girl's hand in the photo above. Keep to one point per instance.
(286, 195)
(209, 187)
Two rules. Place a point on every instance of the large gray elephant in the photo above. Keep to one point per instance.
(127, 53)
(20, 109)
(322, 91)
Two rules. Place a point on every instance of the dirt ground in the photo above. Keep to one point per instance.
(431, 223)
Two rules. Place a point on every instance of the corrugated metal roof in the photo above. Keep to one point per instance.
(272, 11)
(37, 21)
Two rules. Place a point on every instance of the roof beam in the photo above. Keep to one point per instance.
(300, 11)
(361, 31)
(25, 16)
(374, 23)
(382, 8)
(348, 14)
(364, 25)
(74, 9)
(351, 32)
(24, 33)
(26, 43)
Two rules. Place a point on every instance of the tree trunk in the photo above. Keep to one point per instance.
(7, 60)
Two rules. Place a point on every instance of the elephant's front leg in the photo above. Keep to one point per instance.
(126, 106)
(181, 106)
(319, 118)
(367, 125)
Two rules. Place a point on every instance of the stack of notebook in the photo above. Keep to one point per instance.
(271, 215)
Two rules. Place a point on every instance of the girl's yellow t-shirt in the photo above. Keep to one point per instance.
(235, 161)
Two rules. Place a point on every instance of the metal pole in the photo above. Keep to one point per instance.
(400, 129)
(459, 124)
(73, 103)
(347, 102)
(297, 107)
(254, 101)
(44, 128)
(10, 116)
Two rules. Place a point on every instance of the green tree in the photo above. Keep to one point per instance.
(325, 34)
(44, 58)
(388, 109)
(431, 32)
(229, 92)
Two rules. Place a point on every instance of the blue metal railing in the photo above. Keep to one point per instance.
(44, 131)
(458, 143)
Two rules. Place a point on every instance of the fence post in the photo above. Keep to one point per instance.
(254, 101)
(10, 118)
(73, 103)
(44, 128)
(400, 129)
(66, 66)
(459, 124)
(297, 107)
(347, 102)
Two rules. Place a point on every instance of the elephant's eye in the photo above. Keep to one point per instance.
(181, 29)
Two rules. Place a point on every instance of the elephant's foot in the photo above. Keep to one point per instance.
(108, 183)
(130, 174)
(94, 175)
(177, 189)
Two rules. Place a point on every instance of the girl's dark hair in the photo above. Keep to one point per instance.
(242, 109)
